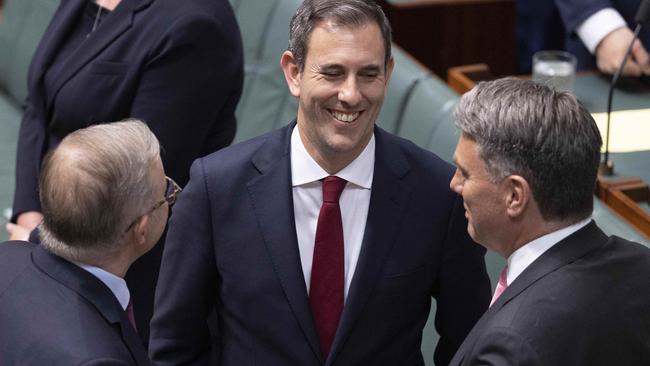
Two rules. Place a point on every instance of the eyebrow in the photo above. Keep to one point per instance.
(337, 67)
(460, 166)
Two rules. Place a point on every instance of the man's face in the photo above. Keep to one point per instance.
(340, 89)
(484, 200)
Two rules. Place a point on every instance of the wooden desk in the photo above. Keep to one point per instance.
(444, 33)
(627, 194)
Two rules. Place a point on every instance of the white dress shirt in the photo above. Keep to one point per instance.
(308, 198)
(116, 284)
(599, 25)
(523, 257)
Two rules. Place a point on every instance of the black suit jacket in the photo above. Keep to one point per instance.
(583, 302)
(177, 65)
(232, 248)
(55, 313)
(574, 12)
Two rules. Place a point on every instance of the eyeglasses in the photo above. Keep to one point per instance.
(172, 189)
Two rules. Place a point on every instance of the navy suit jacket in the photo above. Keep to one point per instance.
(583, 302)
(232, 249)
(55, 313)
(177, 65)
(574, 12)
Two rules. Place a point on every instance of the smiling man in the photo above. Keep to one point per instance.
(570, 295)
(323, 242)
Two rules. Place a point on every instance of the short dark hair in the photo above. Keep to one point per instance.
(344, 13)
(93, 185)
(546, 136)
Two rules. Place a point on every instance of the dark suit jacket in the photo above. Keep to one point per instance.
(232, 248)
(177, 65)
(574, 12)
(583, 302)
(55, 313)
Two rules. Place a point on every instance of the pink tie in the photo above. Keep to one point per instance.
(326, 285)
(501, 286)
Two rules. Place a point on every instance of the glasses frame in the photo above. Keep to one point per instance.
(172, 189)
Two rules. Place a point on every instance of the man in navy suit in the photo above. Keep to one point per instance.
(105, 201)
(599, 32)
(294, 275)
(570, 295)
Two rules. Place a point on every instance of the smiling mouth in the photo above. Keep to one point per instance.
(345, 117)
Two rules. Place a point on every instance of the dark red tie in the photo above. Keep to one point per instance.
(326, 286)
(129, 314)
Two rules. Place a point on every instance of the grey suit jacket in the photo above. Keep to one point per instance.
(584, 302)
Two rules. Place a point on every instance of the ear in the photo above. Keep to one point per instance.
(517, 195)
(291, 72)
(139, 230)
(389, 69)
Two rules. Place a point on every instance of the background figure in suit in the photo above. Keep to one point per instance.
(294, 283)
(599, 32)
(105, 199)
(176, 65)
(527, 161)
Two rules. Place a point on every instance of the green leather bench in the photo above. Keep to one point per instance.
(21, 26)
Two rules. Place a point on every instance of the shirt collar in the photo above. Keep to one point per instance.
(521, 258)
(116, 284)
(304, 169)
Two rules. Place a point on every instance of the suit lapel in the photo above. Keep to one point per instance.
(272, 197)
(58, 29)
(95, 292)
(387, 202)
(114, 25)
(566, 251)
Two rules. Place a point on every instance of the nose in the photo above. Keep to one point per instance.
(349, 92)
(455, 183)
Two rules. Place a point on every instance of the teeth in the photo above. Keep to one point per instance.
(345, 117)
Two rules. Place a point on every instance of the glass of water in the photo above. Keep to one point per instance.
(555, 68)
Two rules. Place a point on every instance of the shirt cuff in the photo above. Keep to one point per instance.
(599, 25)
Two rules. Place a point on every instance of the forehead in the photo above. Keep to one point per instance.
(467, 154)
(333, 43)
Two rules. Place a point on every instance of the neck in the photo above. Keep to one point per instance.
(533, 230)
(108, 4)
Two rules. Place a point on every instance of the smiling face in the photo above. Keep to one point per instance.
(340, 90)
(484, 200)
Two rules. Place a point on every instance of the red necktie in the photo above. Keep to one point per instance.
(326, 286)
(129, 314)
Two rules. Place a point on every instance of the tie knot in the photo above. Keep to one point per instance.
(332, 188)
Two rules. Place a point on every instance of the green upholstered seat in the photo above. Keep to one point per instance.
(21, 26)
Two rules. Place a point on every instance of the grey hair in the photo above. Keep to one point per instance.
(93, 185)
(348, 13)
(548, 137)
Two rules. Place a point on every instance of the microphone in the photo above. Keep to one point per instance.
(642, 17)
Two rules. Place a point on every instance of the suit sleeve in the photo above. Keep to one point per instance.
(185, 293)
(503, 347)
(189, 90)
(29, 154)
(574, 12)
(462, 291)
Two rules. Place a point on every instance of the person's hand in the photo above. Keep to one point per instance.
(17, 232)
(611, 50)
(29, 220)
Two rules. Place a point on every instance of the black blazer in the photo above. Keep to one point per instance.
(177, 65)
(55, 313)
(232, 248)
(583, 302)
(574, 12)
